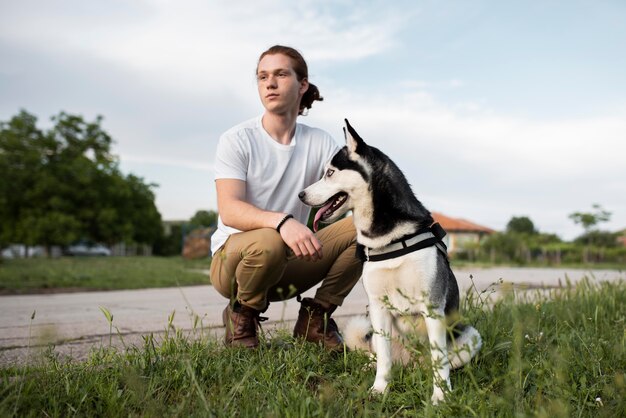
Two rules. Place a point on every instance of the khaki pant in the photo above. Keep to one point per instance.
(257, 267)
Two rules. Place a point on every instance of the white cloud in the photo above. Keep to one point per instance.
(201, 46)
(591, 146)
(489, 167)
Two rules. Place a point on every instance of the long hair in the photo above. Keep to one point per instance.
(302, 71)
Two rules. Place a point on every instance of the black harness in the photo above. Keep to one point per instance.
(423, 238)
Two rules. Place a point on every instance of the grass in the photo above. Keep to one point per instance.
(557, 356)
(99, 273)
(579, 266)
(39, 275)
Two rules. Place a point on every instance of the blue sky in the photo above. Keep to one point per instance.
(493, 109)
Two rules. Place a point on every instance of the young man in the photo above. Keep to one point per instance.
(262, 250)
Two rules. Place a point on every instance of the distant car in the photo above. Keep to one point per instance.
(87, 249)
(22, 251)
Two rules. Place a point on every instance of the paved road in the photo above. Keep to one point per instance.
(74, 323)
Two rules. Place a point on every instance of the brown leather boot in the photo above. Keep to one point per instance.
(241, 324)
(315, 325)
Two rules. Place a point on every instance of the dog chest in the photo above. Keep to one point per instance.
(401, 284)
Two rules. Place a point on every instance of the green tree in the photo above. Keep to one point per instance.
(590, 219)
(143, 213)
(203, 218)
(598, 238)
(591, 237)
(65, 184)
(522, 225)
(170, 244)
(33, 209)
(503, 246)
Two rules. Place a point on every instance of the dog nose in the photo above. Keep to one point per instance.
(301, 195)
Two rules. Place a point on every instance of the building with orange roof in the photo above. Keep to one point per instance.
(461, 232)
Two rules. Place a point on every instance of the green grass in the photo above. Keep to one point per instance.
(99, 273)
(579, 266)
(558, 357)
(38, 275)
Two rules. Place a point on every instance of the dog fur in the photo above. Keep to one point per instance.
(415, 294)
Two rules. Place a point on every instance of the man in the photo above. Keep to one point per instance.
(262, 250)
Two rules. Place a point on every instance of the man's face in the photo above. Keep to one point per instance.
(279, 88)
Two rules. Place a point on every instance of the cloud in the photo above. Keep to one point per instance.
(538, 148)
(486, 166)
(200, 46)
(166, 73)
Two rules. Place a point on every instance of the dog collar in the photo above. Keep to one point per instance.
(423, 238)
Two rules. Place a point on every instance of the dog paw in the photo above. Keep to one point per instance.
(440, 389)
(437, 397)
(379, 387)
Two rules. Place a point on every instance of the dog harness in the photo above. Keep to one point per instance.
(423, 238)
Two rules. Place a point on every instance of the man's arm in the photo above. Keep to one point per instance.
(237, 213)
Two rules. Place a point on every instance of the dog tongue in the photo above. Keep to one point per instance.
(319, 213)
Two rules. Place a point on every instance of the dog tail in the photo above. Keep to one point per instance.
(464, 347)
(357, 333)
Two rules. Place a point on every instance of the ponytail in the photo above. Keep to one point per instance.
(311, 95)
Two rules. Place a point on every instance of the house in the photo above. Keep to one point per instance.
(461, 233)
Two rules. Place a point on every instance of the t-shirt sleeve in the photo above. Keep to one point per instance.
(231, 158)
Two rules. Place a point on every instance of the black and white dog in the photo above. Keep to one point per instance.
(406, 273)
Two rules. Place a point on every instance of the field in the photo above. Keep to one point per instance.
(38, 275)
(556, 355)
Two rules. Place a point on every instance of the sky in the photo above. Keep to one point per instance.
(493, 109)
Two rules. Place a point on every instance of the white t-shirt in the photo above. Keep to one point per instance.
(274, 173)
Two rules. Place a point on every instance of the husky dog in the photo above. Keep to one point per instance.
(406, 273)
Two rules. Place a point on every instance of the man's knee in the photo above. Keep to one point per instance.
(268, 248)
(342, 233)
(347, 224)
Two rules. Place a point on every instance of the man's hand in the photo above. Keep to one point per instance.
(301, 240)
(239, 214)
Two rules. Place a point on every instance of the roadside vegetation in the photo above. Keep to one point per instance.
(37, 275)
(63, 184)
(522, 244)
(556, 355)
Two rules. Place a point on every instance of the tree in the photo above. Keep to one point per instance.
(522, 225)
(33, 210)
(590, 219)
(503, 247)
(598, 238)
(143, 214)
(170, 244)
(64, 184)
(203, 218)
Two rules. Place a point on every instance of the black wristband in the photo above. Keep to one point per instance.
(282, 222)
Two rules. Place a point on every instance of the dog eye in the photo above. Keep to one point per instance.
(329, 172)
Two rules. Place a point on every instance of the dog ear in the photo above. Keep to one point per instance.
(354, 142)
